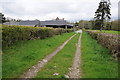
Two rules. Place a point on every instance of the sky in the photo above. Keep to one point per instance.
(71, 10)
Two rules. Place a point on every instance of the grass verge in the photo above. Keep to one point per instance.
(108, 31)
(21, 56)
(111, 31)
(60, 62)
(96, 60)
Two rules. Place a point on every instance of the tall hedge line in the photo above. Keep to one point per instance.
(12, 34)
(110, 41)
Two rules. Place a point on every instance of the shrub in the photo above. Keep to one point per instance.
(93, 34)
(12, 34)
(110, 41)
(115, 25)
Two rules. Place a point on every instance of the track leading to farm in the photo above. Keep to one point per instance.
(32, 72)
(66, 61)
(75, 71)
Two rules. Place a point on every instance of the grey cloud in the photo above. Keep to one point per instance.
(47, 9)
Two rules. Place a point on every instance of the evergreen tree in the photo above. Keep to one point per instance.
(2, 18)
(102, 14)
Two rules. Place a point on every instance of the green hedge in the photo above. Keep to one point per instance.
(12, 34)
(110, 41)
(93, 34)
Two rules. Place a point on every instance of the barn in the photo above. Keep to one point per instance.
(57, 23)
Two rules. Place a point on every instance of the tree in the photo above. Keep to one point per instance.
(57, 18)
(85, 24)
(76, 23)
(2, 18)
(102, 14)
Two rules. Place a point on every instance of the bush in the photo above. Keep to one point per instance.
(110, 41)
(12, 34)
(93, 34)
(115, 25)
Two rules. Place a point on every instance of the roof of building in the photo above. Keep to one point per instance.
(24, 23)
(11, 23)
(53, 22)
(29, 22)
(40, 23)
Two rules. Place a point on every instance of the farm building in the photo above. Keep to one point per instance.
(57, 23)
(11, 23)
(33, 23)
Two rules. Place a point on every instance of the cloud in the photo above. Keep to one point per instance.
(49, 9)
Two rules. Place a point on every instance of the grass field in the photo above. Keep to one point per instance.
(21, 56)
(111, 32)
(61, 62)
(108, 31)
(96, 60)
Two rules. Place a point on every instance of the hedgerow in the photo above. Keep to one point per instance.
(110, 41)
(12, 34)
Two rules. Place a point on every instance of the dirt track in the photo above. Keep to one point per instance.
(32, 72)
(75, 71)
